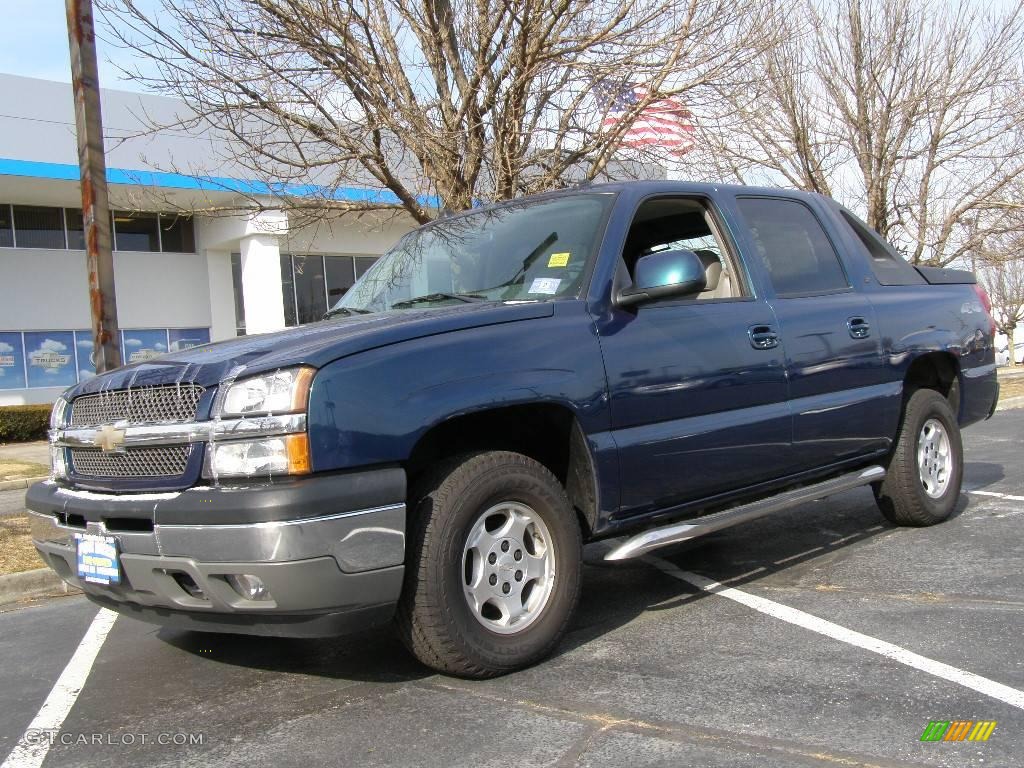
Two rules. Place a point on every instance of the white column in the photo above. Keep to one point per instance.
(261, 283)
(222, 295)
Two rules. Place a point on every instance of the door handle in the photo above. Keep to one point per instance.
(763, 337)
(859, 327)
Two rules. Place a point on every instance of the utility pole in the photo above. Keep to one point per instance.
(106, 350)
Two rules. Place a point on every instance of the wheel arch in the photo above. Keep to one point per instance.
(934, 370)
(549, 433)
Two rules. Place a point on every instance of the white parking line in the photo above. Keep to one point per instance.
(1007, 496)
(1004, 693)
(31, 749)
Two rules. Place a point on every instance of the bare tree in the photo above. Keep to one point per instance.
(1001, 272)
(776, 128)
(908, 111)
(440, 103)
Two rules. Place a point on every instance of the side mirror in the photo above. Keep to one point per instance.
(664, 275)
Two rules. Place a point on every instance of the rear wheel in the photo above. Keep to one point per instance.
(922, 484)
(493, 573)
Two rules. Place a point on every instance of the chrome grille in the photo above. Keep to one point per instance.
(144, 405)
(169, 461)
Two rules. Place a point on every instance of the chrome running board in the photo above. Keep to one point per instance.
(674, 533)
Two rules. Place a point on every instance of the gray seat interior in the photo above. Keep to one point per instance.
(665, 221)
(719, 286)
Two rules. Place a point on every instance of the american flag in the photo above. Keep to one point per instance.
(664, 122)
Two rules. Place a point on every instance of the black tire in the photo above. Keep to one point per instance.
(902, 496)
(435, 619)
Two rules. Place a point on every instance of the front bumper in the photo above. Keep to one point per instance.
(330, 550)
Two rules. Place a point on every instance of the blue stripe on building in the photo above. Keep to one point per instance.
(162, 179)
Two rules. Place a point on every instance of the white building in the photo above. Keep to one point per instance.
(180, 280)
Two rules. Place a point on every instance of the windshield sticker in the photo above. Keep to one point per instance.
(559, 260)
(548, 285)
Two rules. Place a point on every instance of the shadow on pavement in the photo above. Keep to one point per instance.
(734, 556)
(613, 594)
(983, 474)
(375, 655)
(616, 593)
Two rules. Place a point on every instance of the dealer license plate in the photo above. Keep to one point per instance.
(97, 559)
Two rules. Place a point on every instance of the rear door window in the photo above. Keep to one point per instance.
(798, 254)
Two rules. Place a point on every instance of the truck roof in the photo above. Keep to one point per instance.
(644, 187)
(685, 187)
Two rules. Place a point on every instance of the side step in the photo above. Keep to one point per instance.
(673, 533)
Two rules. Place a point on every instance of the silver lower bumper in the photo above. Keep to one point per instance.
(342, 562)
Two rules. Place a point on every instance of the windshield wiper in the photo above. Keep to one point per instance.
(530, 258)
(466, 297)
(346, 311)
(541, 247)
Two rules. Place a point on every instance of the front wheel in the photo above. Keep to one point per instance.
(493, 573)
(922, 484)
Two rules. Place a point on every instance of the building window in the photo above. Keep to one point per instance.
(136, 231)
(6, 230)
(177, 234)
(363, 263)
(310, 284)
(288, 291)
(59, 359)
(50, 359)
(76, 229)
(38, 227)
(310, 288)
(12, 360)
(236, 284)
(340, 275)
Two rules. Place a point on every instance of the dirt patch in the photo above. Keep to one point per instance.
(1011, 386)
(19, 470)
(16, 550)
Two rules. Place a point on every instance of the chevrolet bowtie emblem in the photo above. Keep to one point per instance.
(109, 439)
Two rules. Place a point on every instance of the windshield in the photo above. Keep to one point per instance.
(532, 251)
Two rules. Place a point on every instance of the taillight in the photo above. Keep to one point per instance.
(987, 304)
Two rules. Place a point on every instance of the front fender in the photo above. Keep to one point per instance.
(373, 407)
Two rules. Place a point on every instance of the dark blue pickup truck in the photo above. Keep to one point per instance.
(643, 362)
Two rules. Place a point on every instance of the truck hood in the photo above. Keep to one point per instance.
(316, 344)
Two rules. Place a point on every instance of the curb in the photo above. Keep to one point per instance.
(11, 485)
(41, 582)
(1010, 402)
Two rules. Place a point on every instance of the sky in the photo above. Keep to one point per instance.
(34, 43)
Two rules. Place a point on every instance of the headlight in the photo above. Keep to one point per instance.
(285, 455)
(285, 391)
(57, 414)
(280, 392)
(58, 467)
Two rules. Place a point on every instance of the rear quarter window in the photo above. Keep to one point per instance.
(889, 267)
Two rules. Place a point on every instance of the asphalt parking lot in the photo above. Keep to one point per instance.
(655, 672)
